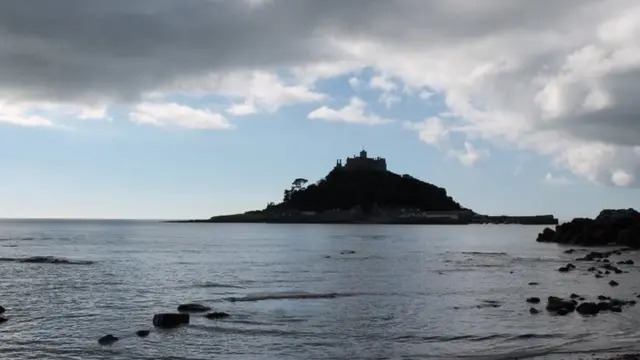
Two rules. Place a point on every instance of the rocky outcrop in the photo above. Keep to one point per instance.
(170, 320)
(193, 308)
(621, 227)
(107, 340)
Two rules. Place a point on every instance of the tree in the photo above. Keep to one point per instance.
(298, 184)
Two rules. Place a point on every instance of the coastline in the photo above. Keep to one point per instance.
(354, 217)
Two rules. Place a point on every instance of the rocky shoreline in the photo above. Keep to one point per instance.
(610, 227)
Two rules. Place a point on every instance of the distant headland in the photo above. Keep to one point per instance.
(363, 191)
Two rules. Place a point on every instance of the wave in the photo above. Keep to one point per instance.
(287, 295)
(209, 284)
(47, 260)
(487, 253)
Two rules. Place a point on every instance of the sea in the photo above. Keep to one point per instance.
(301, 291)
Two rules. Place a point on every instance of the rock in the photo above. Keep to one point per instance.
(617, 271)
(628, 262)
(347, 252)
(3, 319)
(574, 296)
(630, 236)
(193, 308)
(570, 251)
(2, 310)
(620, 226)
(562, 312)
(534, 311)
(564, 269)
(170, 320)
(606, 261)
(571, 266)
(598, 276)
(547, 235)
(535, 283)
(556, 304)
(588, 308)
(107, 340)
(604, 306)
(613, 283)
(602, 297)
(581, 298)
(143, 333)
(533, 300)
(217, 315)
(616, 309)
(592, 269)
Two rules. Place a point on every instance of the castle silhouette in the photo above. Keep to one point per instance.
(363, 162)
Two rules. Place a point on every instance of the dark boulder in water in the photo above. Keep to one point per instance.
(143, 333)
(170, 320)
(3, 319)
(534, 311)
(193, 308)
(556, 304)
(613, 283)
(2, 309)
(588, 308)
(217, 315)
(533, 300)
(107, 340)
(533, 283)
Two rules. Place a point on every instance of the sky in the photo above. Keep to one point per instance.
(174, 109)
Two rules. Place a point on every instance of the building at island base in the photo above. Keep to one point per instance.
(363, 162)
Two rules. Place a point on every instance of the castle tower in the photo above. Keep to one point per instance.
(363, 154)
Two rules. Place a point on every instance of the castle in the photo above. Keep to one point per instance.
(363, 162)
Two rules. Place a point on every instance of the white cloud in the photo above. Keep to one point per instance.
(381, 82)
(550, 179)
(354, 112)
(355, 83)
(242, 109)
(172, 114)
(431, 130)
(470, 155)
(426, 94)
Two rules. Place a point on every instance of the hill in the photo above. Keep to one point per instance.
(344, 189)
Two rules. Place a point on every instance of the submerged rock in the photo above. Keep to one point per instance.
(533, 283)
(107, 340)
(193, 308)
(533, 300)
(217, 315)
(558, 305)
(613, 283)
(588, 308)
(3, 319)
(170, 320)
(143, 333)
(534, 311)
(2, 309)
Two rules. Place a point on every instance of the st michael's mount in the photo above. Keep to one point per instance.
(363, 191)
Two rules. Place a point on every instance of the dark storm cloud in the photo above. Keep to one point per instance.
(117, 49)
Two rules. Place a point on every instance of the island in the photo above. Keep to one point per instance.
(363, 191)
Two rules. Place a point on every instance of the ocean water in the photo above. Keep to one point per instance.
(398, 292)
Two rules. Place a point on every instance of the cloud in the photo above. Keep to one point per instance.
(355, 83)
(354, 112)
(558, 78)
(470, 155)
(550, 179)
(172, 114)
(432, 131)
